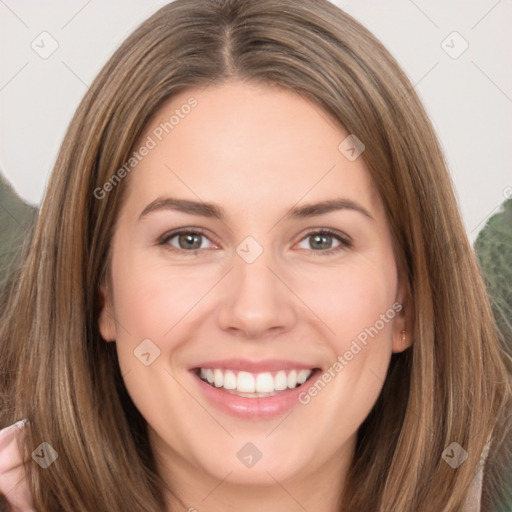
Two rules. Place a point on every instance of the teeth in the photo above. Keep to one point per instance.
(229, 380)
(264, 383)
(302, 376)
(218, 378)
(292, 379)
(245, 382)
(280, 381)
(254, 385)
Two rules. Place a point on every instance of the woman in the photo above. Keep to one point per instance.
(180, 338)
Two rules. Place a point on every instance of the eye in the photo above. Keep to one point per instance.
(321, 242)
(191, 241)
(186, 240)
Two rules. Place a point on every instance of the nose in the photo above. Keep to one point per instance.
(257, 300)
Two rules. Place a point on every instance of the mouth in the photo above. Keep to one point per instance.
(255, 385)
(253, 390)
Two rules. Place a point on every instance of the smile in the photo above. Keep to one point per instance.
(250, 385)
(253, 390)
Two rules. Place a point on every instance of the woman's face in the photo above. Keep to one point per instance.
(254, 293)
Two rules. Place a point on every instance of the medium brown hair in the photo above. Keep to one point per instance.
(452, 385)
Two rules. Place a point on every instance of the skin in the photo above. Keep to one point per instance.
(257, 152)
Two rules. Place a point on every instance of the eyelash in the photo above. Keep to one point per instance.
(345, 242)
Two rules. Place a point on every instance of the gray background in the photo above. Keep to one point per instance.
(467, 96)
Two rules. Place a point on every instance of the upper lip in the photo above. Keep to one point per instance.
(267, 365)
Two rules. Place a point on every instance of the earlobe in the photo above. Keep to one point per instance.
(402, 341)
(106, 322)
(402, 330)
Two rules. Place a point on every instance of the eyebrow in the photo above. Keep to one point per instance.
(214, 211)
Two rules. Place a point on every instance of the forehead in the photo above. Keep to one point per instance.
(248, 146)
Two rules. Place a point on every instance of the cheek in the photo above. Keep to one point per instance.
(355, 305)
(345, 301)
(149, 301)
(152, 298)
(352, 299)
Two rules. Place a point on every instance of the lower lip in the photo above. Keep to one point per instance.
(254, 408)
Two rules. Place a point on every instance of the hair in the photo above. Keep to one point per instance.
(452, 385)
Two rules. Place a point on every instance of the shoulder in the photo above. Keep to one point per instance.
(497, 478)
(13, 483)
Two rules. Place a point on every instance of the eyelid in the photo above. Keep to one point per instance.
(168, 235)
(345, 241)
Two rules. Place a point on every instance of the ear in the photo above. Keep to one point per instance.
(403, 323)
(106, 319)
